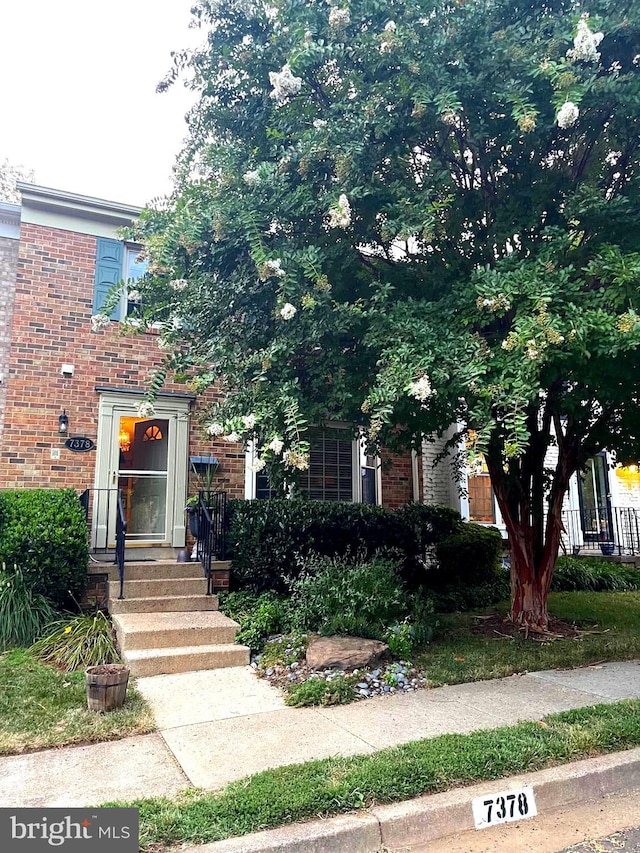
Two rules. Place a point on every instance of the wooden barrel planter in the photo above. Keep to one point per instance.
(106, 686)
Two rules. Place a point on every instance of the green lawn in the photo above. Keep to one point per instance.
(456, 655)
(42, 707)
(338, 785)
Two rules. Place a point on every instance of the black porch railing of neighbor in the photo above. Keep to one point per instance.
(610, 530)
(104, 511)
(212, 524)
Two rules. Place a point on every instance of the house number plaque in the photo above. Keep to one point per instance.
(79, 444)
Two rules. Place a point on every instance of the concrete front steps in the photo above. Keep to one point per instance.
(166, 623)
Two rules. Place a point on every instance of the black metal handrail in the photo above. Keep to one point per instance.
(121, 532)
(98, 504)
(212, 524)
(612, 530)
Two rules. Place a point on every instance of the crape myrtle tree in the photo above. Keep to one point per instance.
(407, 215)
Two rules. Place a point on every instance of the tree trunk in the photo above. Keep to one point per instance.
(533, 546)
(529, 594)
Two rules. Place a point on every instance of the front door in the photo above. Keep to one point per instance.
(595, 500)
(146, 459)
(141, 468)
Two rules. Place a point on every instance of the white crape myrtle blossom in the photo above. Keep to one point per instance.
(421, 389)
(533, 351)
(215, 429)
(271, 268)
(257, 464)
(99, 321)
(340, 215)
(232, 437)
(567, 115)
(339, 18)
(319, 123)
(288, 311)
(249, 421)
(390, 26)
(585, 43)
(295, 459)
(145, 409)
(285, 84)
(251, 178)
(179, 283)
(276, 444)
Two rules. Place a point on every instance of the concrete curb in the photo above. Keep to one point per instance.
(400, 826)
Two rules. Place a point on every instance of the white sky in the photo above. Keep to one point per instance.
(77, 93)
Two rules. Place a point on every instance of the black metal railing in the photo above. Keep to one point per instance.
(121, 533)
(212, 526)
(610, 530)
(106, 524)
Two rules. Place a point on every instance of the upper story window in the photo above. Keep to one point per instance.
(116, 262)
(339, 470)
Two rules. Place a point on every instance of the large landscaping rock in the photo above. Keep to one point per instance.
(344, 652)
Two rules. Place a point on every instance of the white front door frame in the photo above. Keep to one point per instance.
(113, 405)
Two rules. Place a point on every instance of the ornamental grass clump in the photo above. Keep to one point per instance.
(78, 643)
(23, 612)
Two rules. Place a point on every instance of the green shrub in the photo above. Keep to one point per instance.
(259, 614)
(459, 596)
(78, 643)
(44, 531)
(267, 537)
(23, 612)
(339, 596)
(400, 639)
(339, 690)
(471, 555)
(590, 574)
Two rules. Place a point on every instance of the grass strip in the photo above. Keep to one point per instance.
(336, 785)
(42, 707)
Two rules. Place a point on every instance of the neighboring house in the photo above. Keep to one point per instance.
(60, 254)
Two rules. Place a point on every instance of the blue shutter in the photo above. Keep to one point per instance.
(108, 272)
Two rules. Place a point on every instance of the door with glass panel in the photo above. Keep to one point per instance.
(140, 468)
(595, 500)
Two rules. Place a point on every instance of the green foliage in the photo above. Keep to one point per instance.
(78, 643)
(587, 573)
(267, 537)
(44, 531)
(23, 612)
(469, 556)
(400, 639)
(341, 596)
(259, 615)
(339, 690)
(283, 651)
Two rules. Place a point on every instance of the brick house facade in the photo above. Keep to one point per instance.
(57, 247)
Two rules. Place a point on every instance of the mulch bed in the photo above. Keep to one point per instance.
(498, 626)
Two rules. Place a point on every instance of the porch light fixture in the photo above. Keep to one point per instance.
(124, 440)
(63, 423)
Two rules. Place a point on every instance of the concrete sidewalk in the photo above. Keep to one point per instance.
(221, 725)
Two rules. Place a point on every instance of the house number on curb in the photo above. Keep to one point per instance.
(79, 444)
(504, 807)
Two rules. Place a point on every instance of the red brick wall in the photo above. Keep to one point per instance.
(397, 479)
(51, 326)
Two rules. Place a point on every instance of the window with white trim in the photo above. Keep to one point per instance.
(339, 470)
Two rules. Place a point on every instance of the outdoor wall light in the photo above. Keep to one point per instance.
(63, 423)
